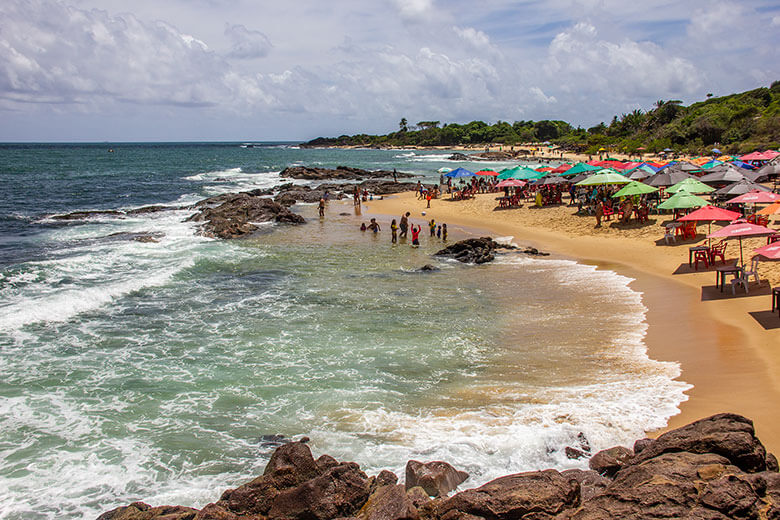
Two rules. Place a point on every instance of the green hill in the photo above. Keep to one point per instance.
(738, 123)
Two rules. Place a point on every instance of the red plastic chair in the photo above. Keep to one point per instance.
(700, 256)
(718, 250)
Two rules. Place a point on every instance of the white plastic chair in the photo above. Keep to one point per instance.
(753, 270)
(741, 278)
(669, 233)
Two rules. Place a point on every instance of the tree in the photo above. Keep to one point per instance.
(425, 125)
(403, 124)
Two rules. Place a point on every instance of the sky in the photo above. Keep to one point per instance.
(184, 70)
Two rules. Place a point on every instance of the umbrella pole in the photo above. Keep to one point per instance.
(741, 262)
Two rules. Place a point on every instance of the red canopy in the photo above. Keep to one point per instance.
(710, 213)
(562, 168)
(755, 156)
(742, 229)
(755, 196)
(511, 183)
(770, 252)
(487, 172)
(545, 169)
(771, 154)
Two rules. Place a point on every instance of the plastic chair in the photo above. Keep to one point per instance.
(753, 271)
(669, 232)
(741, 278)
(718, 250)
(700, 256)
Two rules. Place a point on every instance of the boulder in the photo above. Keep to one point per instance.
(428, 267)
(726, 434)
(608, 462)
(542, 494)
(141, 511)
(574, 453)
(436, 478)
(471, 250)
(591, 483)
(236, 214)
(457, 156)
(388, 502)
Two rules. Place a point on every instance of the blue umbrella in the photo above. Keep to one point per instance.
(715, 150)
(458, 173)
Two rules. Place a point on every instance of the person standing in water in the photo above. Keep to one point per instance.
(416, 235)
(374, 226)
(404, 224)
(432, 225)
(394, 231)
(322, 207)
(444, 232)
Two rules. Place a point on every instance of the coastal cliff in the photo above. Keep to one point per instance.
(715, 468)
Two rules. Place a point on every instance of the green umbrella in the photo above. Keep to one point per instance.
(690, 185)
(683, 200)
(508, 173)
(599, 178)
(579, 168)
(634, 188)
(522, 173)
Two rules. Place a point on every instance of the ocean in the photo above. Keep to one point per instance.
(152, 371)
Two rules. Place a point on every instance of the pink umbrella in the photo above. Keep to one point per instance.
(755, 197)
(511, 183)
(770, 252)
(755, 156)
(487, 172)
(710, 213)
(739, 230)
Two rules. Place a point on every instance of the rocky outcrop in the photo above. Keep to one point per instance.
(236, 214)
(86, 215)
(437, 478)
(714, 469)
(341, 172)
(471, 250)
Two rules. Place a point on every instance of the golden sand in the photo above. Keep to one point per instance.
(728, 346)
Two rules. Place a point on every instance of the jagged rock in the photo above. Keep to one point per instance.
(273, 440)
(389, 502)
(534, 252)
(771, 463)
(326, 462)
(457, 156)
(542, 494)
(428, 267)
(471, 250)
(730, 435)
(141, 511)
(386, 478)
(494, 156)
(144, 237)
(608, 462)
(341, 172)
(80, 215)
(235, 214)
(641, 444)
(591, 483)
(338, 492)
(418, 496)
(148, 209)
(437, 478)
(574, 453)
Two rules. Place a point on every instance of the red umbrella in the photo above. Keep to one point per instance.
(710, 213)
(755, 197)
(562, 168)
(511, 183)
(487, 172)
(770, 252)
(755, 156)
(742, 229)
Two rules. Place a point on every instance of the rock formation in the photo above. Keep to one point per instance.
(233, 215)
(341, 172)
(714, 468)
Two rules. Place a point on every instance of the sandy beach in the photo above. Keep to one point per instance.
(727, 346)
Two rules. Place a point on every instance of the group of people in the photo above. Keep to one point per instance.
(402, 229)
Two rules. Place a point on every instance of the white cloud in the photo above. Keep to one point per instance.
(247, 44)
(414, 9)
(472, 36)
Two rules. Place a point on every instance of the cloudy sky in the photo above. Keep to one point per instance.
(91, 70)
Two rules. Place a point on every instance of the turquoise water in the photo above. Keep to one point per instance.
(150, 370)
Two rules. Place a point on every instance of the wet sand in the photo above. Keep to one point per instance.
(730, 356)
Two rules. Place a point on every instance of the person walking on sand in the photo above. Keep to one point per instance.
(416, 235)
(322, 207)
(394, 231)
(404, 224)
(428, 198)
(599, 212)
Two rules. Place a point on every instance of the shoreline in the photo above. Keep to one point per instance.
(728, 357)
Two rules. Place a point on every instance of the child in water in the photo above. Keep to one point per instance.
(444, 232)
(416, 235)
(394, 231)
(374, 226)
(363, 226)
(432, 224)
(438, 232)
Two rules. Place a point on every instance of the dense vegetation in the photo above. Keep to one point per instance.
(738, 123)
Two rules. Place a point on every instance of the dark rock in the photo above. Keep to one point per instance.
(471, 250)
(641, 444)
(608, 462)
(389, 502)
(149, 209)
(429, 267)
(457, 156)
(326, 462)
(534, 252)
(338, 492)
(494, 156)
(591, 483)
(436, 478)
(341, 172)
(236, 213)
(141, 511)
(771, 462)
(80, 215)
(344, 214)
(145, 237)
(584, 444)
(386, 478)
(541, 493)
(730, 435)
(418, 496)
(574, 453)
(273, 440)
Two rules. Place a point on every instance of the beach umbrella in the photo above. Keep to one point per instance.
(691, 186)
(740, 188)
(711, 164)
(548, 181)
(667, 178)
(634, 188)
(458, 173)
(774, 209)
(710, 214)
(444, 170)
(508, 173)
(763, 173)
(562, 168)
(580, 168)
(755, 197)
(683, 200)
(755, 156)
(744, 165)
(643, 171)
(486, 172)
(716, 151)
(607, 177)
(723, 173)
(740, 230)
(511, 183)
(768, 252)
(526, 173)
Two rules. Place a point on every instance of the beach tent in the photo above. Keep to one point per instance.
(711, 164)
(548, 181)
(740, 188)
(634, 188)
(744, 165)
(740, 230)
(690, 185)
(458, 173)
(763, 173)
(683, 200)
